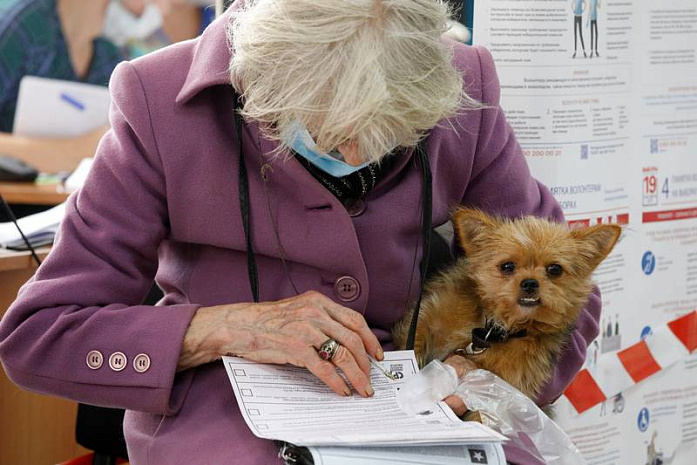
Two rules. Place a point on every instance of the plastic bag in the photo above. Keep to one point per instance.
(502, 408)
(433, 383)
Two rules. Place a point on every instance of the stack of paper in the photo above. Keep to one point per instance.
(290, 404)
(40, 229)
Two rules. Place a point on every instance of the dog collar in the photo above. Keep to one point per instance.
(491, 332)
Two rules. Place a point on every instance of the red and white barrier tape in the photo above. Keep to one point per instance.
(615, 372)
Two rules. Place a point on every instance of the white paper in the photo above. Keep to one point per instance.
(39, 228)
(78, 177)
(289, 403)
(62, 109)
(490, 454)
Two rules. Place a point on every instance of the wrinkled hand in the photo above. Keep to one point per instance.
(462, 366)
(287, 331)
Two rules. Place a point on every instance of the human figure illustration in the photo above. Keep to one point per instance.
(595, 352)
(578, 7)
(653, 456)
(617, 324)
(618, 403)
(593, 17)
(643, 419)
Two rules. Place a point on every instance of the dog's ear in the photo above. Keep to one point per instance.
(471, 227)
(596, 242)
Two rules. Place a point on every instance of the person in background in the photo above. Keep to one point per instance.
(65, 39)
(139, 27)
(57, 39)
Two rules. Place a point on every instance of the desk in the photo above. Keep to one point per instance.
(33, 194)
(34, 429)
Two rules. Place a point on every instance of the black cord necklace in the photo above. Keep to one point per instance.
(245, 206)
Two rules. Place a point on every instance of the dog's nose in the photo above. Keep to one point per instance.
(530, 285)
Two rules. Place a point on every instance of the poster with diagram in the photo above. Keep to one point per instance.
(602, 96)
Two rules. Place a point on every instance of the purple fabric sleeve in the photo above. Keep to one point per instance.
(85, 296)
(501, 183)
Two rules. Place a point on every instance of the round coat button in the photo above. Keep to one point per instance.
(141, 363)
(117, 361)
(347, 288)
(95, 359)
(355, 207)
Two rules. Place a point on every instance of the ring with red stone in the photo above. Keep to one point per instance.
(328, 349)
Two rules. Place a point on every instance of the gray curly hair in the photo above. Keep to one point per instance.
(375, 73)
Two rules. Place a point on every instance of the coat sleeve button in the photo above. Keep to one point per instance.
(141, 363)
(117, 361)
(95, 359)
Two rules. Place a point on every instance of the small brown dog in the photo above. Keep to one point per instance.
(510, 303)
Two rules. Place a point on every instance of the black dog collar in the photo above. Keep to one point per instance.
(492, 332)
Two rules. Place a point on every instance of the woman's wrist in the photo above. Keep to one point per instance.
(212, 333)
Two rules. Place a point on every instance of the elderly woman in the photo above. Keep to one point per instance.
(272, 235)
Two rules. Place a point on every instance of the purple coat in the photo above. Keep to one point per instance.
(161, 202)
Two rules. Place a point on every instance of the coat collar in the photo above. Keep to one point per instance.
(211, 60)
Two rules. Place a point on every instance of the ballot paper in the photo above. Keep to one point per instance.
(288, 403)
(490, 454)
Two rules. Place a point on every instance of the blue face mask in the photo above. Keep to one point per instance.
(300, 140)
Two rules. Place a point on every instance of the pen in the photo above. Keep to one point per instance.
(72, 101)
(387, 373)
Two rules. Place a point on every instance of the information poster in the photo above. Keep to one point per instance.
(602, 96)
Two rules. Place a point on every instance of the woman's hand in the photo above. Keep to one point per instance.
(462, 365)
(287, 331)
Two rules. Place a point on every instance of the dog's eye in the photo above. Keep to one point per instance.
(554, 270)
(508, 267)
